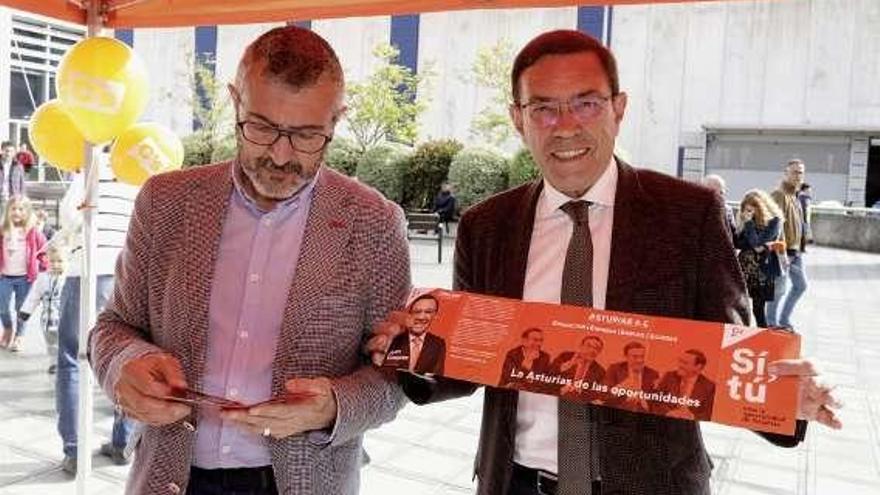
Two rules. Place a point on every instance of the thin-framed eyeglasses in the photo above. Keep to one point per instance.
(546, 113)
(267, 135)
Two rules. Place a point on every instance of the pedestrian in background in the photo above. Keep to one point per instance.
(21, 259)
(758, 229)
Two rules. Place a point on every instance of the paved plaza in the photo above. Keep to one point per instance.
(429, 450)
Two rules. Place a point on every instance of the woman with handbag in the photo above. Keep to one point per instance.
(757, 236)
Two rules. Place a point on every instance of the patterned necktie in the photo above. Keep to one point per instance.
(577, 447)
(415, 351)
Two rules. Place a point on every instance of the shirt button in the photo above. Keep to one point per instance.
(226, 449)
(255, 277)
(267, 222)
(233, 392)
(243, 334)
(173, 488)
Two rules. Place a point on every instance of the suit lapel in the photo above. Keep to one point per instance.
(207, 205)
(631, 219)
(327, 231)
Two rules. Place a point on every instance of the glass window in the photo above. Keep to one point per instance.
(20, 105)
(827, 154)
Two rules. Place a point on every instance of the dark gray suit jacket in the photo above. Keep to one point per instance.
(431, 358)
(671, 256)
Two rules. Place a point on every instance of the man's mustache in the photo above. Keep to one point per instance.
(291, 167)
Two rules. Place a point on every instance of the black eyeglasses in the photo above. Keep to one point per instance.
(267, 135)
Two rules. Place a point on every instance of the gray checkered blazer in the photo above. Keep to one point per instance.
(353, 269)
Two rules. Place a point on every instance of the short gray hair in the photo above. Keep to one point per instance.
(713, 180)
(291, 55)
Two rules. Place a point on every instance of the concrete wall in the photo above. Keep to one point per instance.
(750, 63)
(450, 41)
(353, 40)
(168, 54)
(860, 232)
(231, 42)
(5, 27)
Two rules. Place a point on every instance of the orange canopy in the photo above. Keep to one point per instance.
(159, 13)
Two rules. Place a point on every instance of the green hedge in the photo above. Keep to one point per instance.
(477, 173)
(522, 168)
(426, 170)
(382, 167)
(343, 156)
(199, 148)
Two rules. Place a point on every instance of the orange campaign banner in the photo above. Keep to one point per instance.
(677, 368)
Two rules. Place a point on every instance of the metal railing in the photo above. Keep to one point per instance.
(47, 196)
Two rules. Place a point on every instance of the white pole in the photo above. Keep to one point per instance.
(87, 299)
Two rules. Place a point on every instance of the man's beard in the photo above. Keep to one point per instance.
(261, 166)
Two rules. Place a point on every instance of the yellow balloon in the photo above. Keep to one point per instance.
(144, 150)
(56, 138)
(103, 84)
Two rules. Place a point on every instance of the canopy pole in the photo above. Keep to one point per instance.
(88, 297)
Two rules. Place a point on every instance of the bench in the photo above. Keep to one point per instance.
(425, 225)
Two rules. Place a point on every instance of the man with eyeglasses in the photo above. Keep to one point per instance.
(594, 231)
(256, 280)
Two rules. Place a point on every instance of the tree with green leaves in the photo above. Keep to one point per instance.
(491, 70)
(386, 106)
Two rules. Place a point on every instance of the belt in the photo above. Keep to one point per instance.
(258, 478)
(543, 481)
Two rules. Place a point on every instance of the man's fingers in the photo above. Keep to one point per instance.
(154, 374)
(258, 424)
(150, 410)
(399, 318)
(167, 374)
(388, 330)
(143, 384)
(244, 417)
(827, 417)
(276, 411)
(792, 367)
(172, 371)
(376, 347)
(383, 333)
(821, 394)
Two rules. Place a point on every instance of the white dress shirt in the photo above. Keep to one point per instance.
(537, 421)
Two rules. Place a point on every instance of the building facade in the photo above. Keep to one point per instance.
(734, 88)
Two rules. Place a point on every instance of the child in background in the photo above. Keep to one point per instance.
(46, 291)
(21, 259)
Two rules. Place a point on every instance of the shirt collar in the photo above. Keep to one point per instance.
(289, 204)
(602, 193)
